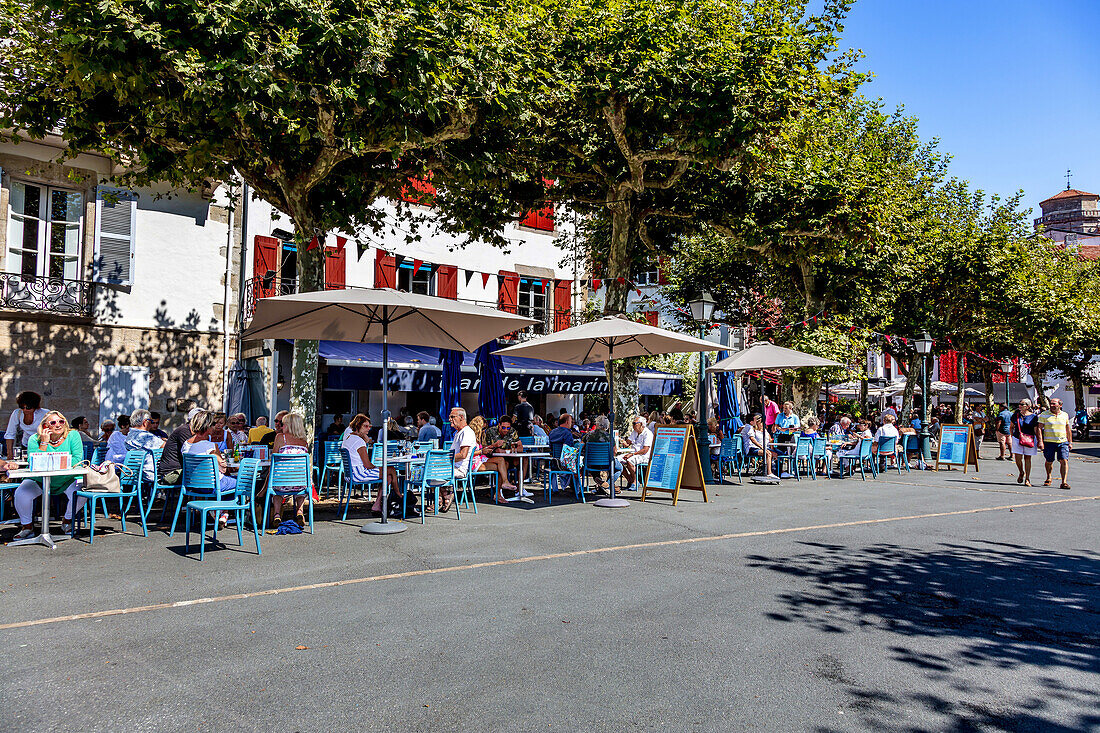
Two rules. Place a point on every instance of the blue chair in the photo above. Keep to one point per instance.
(804, 452)
(290, 475)
(905, 444)
(99, 454)
(423, 446)
(332, 463)
(862, 460)
(438, 472)
(11, 489)
(887, 447)
(89, 451)
(820, 444)
(568, 458)
(350, 484)
(731, 456)
(201, 480)
(597, 458)
(130, 487)
(248, 474)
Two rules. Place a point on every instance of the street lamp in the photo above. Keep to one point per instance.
(702, 310)
(1006, 369)
(923, 344)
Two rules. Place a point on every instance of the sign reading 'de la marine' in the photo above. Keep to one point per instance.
(675, 463)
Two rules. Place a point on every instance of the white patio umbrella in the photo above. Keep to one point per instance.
(378, 315)
(611, 337)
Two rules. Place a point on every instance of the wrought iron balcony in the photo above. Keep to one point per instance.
(47, 295)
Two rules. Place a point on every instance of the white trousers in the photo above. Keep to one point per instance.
(29, 490)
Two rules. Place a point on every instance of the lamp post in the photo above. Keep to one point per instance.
(1006, 369)
(702, 309)
(923, 344)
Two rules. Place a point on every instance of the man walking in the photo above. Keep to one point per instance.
(1004, 430)
(1057, 440)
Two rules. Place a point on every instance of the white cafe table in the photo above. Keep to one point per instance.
(523, 495)
(45, 538)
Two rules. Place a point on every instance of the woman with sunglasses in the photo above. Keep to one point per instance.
(54, 436)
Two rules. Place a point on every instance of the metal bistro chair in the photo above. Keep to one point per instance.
(819, 454)
(803, 451)
(439, 471)
(862, 459)
(130, 480)
(597, 458)
(290, 476)
(423, 446)
(906, 444)
(568, 458)
(350, 484)
(887, 447)
(331, 463)
(201, 480)
(731, 455)
(248, 474)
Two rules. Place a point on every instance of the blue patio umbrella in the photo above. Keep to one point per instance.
(450, 389)
(729, 411)
(491, 402)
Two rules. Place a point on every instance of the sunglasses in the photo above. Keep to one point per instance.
(51, 423)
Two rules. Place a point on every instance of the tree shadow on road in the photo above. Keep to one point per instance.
(996, 606)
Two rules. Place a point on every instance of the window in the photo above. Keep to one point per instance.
(643, 279)
(420, 281)
(531, 302)
(44, 231)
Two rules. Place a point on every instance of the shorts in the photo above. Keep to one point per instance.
(365, 474)
(460, 473)
(1056, 452)
(638, 460)
(1022, 450)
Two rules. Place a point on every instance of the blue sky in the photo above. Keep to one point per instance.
(1010, 87)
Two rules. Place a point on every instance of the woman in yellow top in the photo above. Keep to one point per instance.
(54, 436)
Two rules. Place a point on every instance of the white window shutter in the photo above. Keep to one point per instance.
(122, 389)
(115, 224)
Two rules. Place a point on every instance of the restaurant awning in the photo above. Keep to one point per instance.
(416, 369)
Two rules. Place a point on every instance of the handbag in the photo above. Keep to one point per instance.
(1027, 441)
(103, 478)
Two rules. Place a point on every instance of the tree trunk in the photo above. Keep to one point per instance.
(987, 373)
(618, 266)
(804, 392)
(1078, 391)
(912, 375)
(1037, 373)
(960, 389)
(311, 276)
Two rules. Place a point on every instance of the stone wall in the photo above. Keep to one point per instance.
(63, 362)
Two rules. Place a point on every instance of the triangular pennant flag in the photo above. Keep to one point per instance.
(620, 280)
(416, 265)
(596, 283)
(484, 279)
(362, 247)
(398, 260)
(853, 328)
(469, 276)
(313, 244)
(638, 291)
(803, 323)
(340, 242)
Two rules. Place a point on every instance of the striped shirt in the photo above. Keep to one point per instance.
(1055, 426)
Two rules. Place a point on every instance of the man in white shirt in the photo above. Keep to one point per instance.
(463, 445)
(24, 421)
(885, 432)
(641, 444)
(141, 437)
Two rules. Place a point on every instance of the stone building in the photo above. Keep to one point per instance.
(1069, 212)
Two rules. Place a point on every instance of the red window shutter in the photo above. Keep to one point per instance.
(446, 282)
(948, 371)
(541, 219)
(385, 270)
(419, 191)
(652, 318)
(563, 304)
(335, 277)
(265, 259)
(662, 264)
(508, 291)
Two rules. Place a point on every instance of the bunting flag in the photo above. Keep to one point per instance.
(596, 283)
(416, 265)
(484, 279)
(313, 244)
(469, 276)
(361, 247)
(340, 242)
(398, 260)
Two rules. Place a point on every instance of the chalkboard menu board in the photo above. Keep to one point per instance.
(957, 447)
(674, 463)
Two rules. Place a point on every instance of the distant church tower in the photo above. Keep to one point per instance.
(1071, 210)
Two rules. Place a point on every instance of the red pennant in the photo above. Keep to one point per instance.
(484, 279)
(416, 265)
(853, 328)
(803, 323)
(313, 244)
(638, 291)
(596, 283)
(620, 280)
(340, 242)
(815, 319)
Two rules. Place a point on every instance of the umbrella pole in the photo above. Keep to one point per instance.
(384, 526)
(612, 501)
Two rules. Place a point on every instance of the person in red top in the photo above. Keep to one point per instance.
(771, 411)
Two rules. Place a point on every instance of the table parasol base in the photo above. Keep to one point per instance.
(49, 541)
(383, 528)
(612, 503)
(770, 480)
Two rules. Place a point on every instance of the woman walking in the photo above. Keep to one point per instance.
(1026, 439)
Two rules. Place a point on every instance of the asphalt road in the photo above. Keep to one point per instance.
(923, 602)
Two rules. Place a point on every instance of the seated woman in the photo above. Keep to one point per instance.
(361, 467)
(887, 431)
(484, 460)
(295, 444)
(809, 427)
(53, 436)
(862, 432)
(754, 440)
(200, 443)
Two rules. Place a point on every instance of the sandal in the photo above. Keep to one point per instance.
(1064, 485)
(500, 499)
(277, 521)
(300, 519)
(1048, 482)
(1020, 479)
